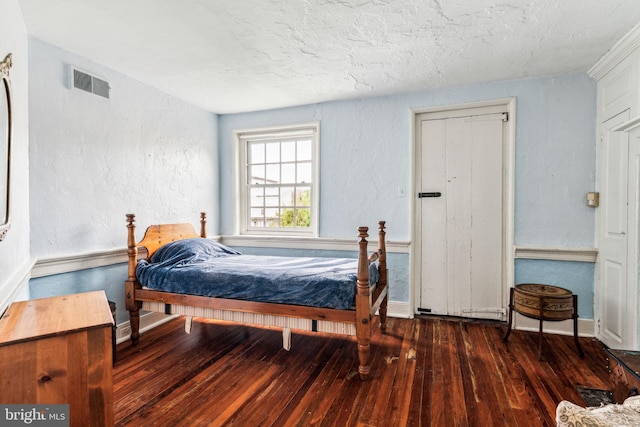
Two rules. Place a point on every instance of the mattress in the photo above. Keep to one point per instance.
(204, 267)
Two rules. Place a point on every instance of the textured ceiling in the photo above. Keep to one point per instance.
(242, 55)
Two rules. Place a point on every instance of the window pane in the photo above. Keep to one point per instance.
(286, 196)
(304, 150)
(288, 151)
(304, 173)
(273, 152)
(257, 197)
(257, 174)
(257, 218)
(256, 153)
(303, 218)
(288, 173)
(288, 217)
(303, 196)
(271, 196)
(272, 217)
(273, 174)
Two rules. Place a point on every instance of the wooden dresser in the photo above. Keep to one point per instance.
(58, 351)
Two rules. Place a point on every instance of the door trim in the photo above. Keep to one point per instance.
(508, 190)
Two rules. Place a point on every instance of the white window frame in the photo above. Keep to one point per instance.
(241, 193)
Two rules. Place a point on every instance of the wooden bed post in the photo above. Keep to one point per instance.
(131, 283)
(363, 306)
(203, 225)
(382, 268)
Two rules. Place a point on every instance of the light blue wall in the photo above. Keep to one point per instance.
(574, 276)
(110, 279)
(365, 155)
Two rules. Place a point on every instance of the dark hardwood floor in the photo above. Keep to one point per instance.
(425, 372)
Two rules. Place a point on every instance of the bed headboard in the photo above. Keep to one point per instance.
(160, 234)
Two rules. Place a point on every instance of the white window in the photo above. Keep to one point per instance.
(277, 179)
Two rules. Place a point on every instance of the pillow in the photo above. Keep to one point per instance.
(192, 248)
(374, 273)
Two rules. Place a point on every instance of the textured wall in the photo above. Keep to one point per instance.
(93, 160)
(365, 155)
(14, 249)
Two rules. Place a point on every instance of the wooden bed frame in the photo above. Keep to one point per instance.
(369, 299)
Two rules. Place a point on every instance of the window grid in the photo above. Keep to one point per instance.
(279, 179)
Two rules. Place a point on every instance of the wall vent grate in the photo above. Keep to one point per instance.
(89, 83)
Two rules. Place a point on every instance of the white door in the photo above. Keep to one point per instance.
(461, 214)
(617, 168)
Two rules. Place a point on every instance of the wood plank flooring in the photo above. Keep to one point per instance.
(426, 372)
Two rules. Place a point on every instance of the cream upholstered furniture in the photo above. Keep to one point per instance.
(627, 414)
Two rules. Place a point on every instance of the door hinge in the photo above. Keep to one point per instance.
(505, 117)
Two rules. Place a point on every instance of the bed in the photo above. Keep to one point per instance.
(175, 270)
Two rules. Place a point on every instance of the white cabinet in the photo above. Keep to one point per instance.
(617, 180)
(618, 91)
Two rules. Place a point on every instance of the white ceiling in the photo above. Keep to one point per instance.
(243, 55)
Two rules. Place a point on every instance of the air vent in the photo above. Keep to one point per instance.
(89, 83)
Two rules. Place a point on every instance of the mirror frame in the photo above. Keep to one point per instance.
(5, 180)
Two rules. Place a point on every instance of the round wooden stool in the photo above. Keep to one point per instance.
(544, 302)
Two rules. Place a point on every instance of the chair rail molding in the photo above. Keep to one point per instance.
(556, 253)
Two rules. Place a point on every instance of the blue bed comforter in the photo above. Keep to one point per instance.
(205, 267)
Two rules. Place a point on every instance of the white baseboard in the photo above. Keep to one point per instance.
(586, 327)
(16, 287)
(147, 321)
(399, 309)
